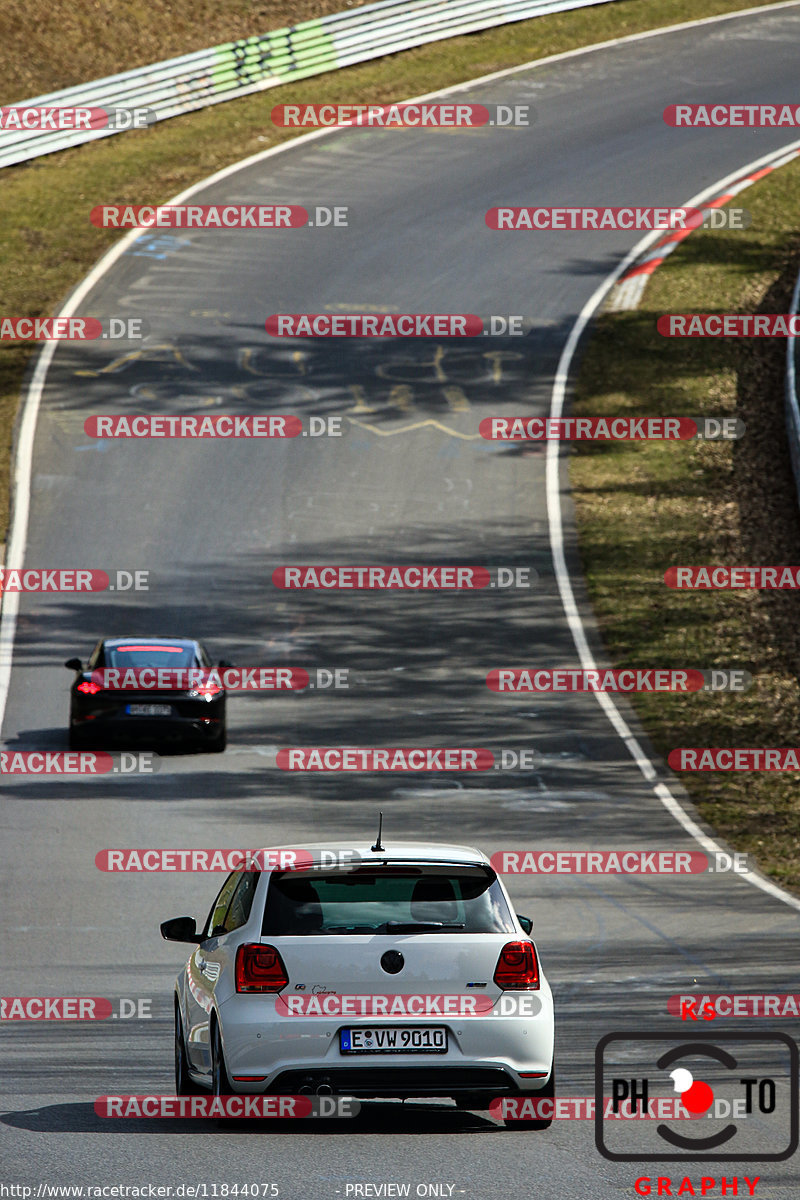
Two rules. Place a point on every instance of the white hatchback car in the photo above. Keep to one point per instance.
(403, 972)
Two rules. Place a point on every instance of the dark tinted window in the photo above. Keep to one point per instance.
(375, 900)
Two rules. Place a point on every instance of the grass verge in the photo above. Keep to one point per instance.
(48, 243)
(641, 508)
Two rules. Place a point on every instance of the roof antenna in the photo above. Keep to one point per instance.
(378, 845)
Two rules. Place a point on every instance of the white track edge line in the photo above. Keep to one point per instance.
(23, 465)
(554, 516)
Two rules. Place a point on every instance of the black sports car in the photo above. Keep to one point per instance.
(102, 714)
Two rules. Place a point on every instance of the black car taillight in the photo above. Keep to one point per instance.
(206, 690)
(517, 969)
(259, 969)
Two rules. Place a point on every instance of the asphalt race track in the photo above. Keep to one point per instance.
(409, 482)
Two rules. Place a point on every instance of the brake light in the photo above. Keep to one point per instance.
(259, 969)
(207, 690)
(89, 688)
(149, 649)
(517, 969)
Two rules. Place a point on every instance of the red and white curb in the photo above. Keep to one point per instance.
(627, 292)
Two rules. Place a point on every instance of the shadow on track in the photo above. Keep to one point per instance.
(396, 1118)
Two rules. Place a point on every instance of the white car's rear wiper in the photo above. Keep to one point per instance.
(393, 927)
(421, 926)
(346, 929)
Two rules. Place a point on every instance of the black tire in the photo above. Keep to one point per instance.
(220, 1085)
(219, 743)
(548, 1092)
(184, 1084)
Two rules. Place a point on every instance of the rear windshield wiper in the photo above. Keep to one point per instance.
(421, 926)
(388, 927)
(346, 929)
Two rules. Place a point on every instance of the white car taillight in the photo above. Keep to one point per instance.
(259, 969)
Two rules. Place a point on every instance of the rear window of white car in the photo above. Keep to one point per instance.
(387, 900)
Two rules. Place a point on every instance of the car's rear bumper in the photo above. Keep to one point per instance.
(504, 1055)
(127, 730)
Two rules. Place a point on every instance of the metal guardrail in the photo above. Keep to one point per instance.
(206, 77)
(791, 403)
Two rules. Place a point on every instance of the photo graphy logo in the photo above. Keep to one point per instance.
(745, 1085)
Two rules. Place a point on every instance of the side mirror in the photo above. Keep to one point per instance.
(74, 664)
(224, 664)
(526, 923)
(180, 929)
